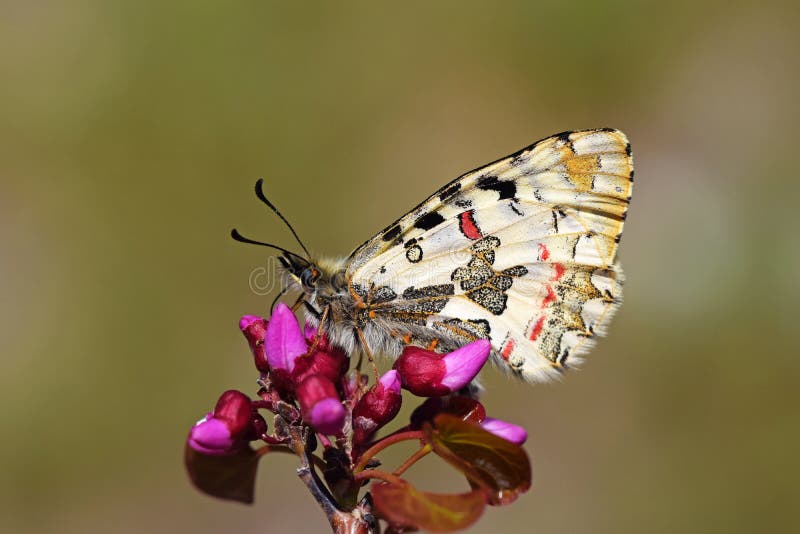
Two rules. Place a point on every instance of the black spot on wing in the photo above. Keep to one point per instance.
(414, 254)
(393, 232)
(383, 294)
(505, 188)
(429, 220)
(564, 138)
(441, 290)
(478, 328)
(517, 270)
(491, 299)
(449, 191)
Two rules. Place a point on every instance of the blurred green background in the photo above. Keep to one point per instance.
(131, 134)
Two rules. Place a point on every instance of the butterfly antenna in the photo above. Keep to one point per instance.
(240, 238)
(277, 297)
(263, 198)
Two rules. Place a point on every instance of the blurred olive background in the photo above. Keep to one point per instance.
(130, 137)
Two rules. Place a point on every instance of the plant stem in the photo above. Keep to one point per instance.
(414, 458)
(380, 475)
(341, 522)
(382, 444)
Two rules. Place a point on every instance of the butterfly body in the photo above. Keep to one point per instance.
(521, 252)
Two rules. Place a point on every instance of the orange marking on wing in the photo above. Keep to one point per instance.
(544, 254)
(537, 329)
(559, 271)
(550, 298)
(507, 349)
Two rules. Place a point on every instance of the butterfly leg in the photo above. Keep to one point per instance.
(318, 335)
(298, 302)
(368, 352)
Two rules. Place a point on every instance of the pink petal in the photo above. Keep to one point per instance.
(504, 429)
(391, 381)
(462, 365)
(327, 416)
(284, 340)
(247, 320)
(211, 436)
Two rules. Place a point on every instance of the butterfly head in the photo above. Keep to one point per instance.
(302, 271)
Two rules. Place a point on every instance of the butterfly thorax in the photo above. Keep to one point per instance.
(342, 313)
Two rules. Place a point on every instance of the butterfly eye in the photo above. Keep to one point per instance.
(309, 276)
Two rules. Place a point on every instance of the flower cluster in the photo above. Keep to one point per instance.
(316, 398)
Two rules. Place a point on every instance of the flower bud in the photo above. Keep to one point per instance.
(284, 344)
(254, 329)
(227, 429)
(284, 341)
(258, 426)
(429, 374)
(328, 361)
(320, 404)
(504, 429)
(377, 407)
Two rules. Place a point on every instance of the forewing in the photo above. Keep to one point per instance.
(521, 251)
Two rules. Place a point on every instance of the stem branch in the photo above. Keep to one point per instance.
(414, 458)
(382, 444)
(380, 475)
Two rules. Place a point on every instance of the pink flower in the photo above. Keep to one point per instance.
(429, 374)
(254, 329)
(377, 407)
(320, 404)
(504, 429)
(227, 429)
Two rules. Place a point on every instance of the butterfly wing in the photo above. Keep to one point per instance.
(521, 251)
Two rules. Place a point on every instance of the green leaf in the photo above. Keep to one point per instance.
(406, 506)
(231, 477)
(488, 461)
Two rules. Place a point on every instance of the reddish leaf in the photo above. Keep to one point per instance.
(406, 506)
(491, 462)
(229, 477)
(463, 407)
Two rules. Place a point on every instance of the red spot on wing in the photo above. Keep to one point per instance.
(508, 348)
(537, 329)
(544, 254)
(466, 222)
(550, 297)
(559, 271)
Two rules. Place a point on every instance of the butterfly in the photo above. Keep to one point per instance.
(521, 252)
